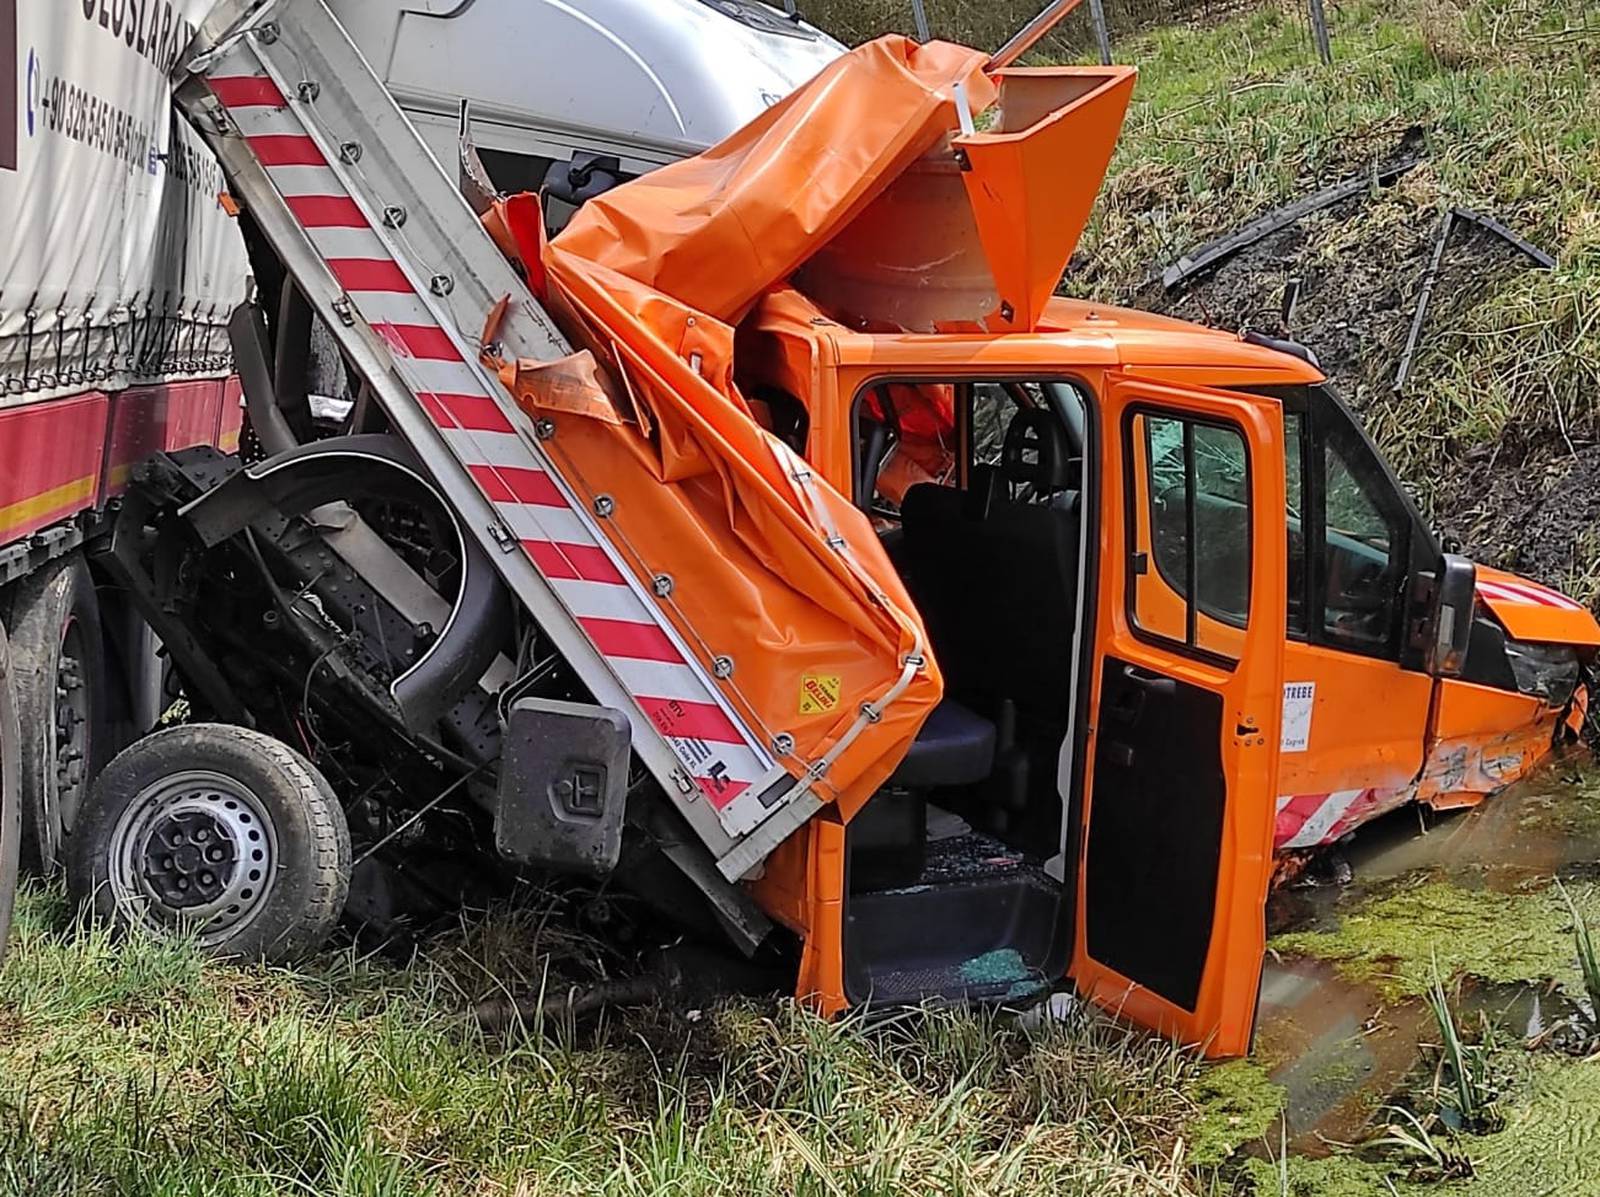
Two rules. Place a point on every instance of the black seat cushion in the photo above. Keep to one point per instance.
(954, 748)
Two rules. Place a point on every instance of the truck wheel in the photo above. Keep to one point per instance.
(58, 655)
(10, 800)
(216, 832)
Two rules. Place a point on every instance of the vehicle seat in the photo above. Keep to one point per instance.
(996, 578)
(954, 748)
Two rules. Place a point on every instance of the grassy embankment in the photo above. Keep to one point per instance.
(138, 1069)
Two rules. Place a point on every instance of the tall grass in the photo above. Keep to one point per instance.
(1588, 960)
(1465, 1067)
(135, 1068)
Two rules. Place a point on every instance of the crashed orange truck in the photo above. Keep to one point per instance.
(772, 541)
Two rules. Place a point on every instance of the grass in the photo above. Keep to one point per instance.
(1466, 1075)
(134, 1068)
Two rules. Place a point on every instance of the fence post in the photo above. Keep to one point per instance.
(919, 13)
(1319, 31)
(1097, 11)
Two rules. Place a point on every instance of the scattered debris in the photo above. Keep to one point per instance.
(1431, 275)
(1212, 252)
(1424, 297)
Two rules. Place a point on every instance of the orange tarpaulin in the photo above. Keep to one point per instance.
(716, 230)
(777, 579)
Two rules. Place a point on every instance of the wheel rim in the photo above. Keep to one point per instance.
(193, 852)
(73, 699)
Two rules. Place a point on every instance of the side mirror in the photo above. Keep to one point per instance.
(1449, 626)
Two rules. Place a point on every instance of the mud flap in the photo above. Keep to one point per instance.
(563, 786)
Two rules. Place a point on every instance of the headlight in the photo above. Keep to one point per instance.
(1547, 671)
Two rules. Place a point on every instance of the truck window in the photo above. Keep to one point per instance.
(1361, 587)
(1190, 568)
(905, 434)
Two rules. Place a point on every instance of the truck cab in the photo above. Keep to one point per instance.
(1166, 575)
(605, 90)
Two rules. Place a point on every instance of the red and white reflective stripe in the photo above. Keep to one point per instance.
(640, 647)
(1311, 820)
(1305, 820)
(1527, 594)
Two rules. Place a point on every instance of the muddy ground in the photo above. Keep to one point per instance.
(1347, 1034)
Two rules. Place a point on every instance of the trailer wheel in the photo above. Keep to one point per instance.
(58, 655)
(219, 833)
(10, 800)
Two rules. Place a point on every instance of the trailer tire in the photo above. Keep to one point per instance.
(10, 799)
(219, 833)
(58, 655)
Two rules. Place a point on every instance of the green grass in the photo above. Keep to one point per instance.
(134, 1068)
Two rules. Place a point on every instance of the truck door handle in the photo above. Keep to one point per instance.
(1151, 683)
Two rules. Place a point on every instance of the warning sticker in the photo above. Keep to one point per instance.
(1298, 699)
(819, 692)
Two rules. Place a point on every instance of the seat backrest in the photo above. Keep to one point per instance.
(998, 593)
(1029, 579)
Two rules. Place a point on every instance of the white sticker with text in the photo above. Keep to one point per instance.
(1298, 698)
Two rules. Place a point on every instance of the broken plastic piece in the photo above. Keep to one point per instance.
(1212, 252)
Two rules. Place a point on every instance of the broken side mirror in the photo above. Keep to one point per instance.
(1449, 623)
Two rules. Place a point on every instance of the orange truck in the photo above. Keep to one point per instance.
(773, 542)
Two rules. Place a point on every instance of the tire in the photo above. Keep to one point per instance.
(215, 832)
(10, 799)
(58, 654)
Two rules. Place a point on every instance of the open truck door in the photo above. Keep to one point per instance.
(1186, 707)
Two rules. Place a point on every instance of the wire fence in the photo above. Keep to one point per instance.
(1093, 27)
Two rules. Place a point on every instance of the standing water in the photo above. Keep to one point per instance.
(1343, 1023)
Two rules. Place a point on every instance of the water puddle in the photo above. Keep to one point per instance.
(1341, 1052)
(1342, 1047)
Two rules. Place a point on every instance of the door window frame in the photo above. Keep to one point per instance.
(1326, 422)
(1133, 465)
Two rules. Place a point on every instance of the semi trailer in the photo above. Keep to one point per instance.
(773, 542)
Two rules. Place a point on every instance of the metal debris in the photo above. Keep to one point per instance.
(1424, 297)
(1212, 252)
(1430, 276)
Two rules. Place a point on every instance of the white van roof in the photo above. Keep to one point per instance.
(647, 80)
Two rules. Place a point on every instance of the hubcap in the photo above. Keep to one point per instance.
(194, 851)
